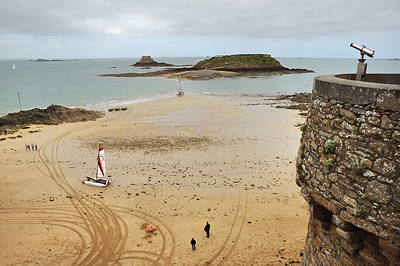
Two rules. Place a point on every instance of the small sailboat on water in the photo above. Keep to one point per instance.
(100, 180)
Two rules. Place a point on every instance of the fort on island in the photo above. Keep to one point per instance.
(348, 168)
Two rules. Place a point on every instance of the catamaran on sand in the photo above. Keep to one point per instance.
(100, 180)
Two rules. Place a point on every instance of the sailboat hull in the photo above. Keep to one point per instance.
(97, 182)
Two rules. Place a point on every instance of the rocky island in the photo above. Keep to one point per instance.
(222, 66)
(147, 61)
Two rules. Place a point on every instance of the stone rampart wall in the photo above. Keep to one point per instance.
(348, 168)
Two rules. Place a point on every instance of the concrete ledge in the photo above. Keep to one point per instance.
(374, 78)
(389, 99)
(385, 96)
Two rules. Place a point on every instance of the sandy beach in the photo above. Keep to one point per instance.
(178, 163)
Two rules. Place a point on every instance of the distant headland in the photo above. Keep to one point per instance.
(46, 60)
(217, 67)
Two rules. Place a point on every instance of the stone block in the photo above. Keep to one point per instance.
(385, 167)
(368, 173)
(385, 179)
(386, 122)
(342, 224)
(350, 193)
(368, 226)
(348, 114)
(389, 99)
(372, 239)
(372, 258)
(393, 260)
(368, 163)
(389, 247)
(314, 182)
(320, 176)
(359, 111)
(333, 177)
(351, 236)
(390, 218)
(349, 127)
(396, 135)
(322, 88)
(349, 200)
(319, 242)
(345, 259)
(310, 200)
(330, 205)
(336, 192)
(371, 131)
(354, 94)
(375, 121)
(351, 248)
(395, 116)
(378, 192)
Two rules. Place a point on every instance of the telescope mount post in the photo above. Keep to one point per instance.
(361, 68)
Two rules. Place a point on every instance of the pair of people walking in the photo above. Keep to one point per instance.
(28, 148)
(207, 229)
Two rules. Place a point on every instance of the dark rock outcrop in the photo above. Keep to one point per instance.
(147, 61)
(52, 115)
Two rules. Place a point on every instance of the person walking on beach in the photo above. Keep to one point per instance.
(193, 242)
(207, 229)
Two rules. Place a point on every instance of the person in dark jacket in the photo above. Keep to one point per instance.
(207, 229)
(193, 242)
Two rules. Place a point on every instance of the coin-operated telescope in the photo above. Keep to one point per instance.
(362, 66)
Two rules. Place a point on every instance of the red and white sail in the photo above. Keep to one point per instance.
(101, 163)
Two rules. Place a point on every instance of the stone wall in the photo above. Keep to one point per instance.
(348, 168)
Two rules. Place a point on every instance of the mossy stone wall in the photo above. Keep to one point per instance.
(348, 168)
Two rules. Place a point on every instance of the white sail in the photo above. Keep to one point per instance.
(14, 67)
(101, 163)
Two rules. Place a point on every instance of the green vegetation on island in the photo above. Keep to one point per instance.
(241, 62)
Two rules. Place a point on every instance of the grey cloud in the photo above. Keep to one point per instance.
(285, 18)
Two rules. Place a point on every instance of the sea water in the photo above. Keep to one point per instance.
(77, 82)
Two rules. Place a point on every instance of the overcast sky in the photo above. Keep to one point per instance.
(69, 29)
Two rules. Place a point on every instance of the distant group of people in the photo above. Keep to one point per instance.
(153, 230)
(180, 93)
(207, 230)
(28, 147)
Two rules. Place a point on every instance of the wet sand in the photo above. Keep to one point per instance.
(178, 163)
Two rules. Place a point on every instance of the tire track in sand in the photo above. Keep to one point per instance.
(226, 249)
(101, 230)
